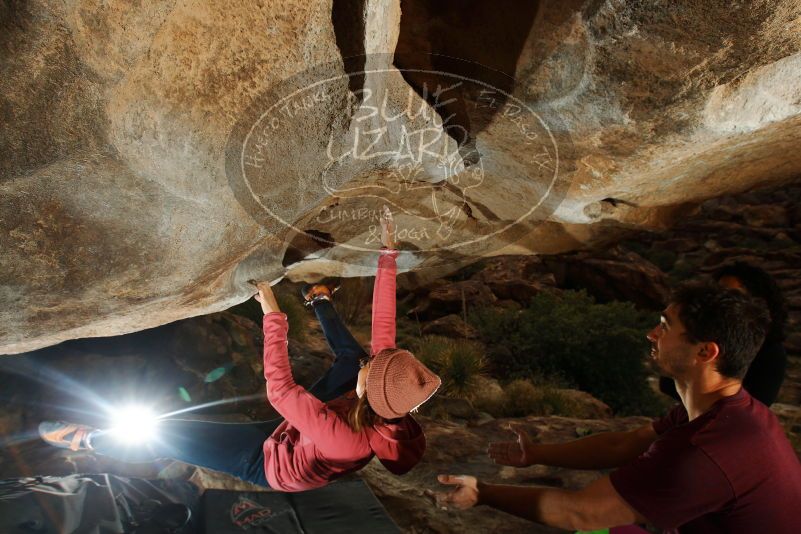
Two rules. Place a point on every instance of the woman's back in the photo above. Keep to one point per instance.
(294, 462)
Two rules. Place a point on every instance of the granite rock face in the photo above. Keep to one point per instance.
(144, 179)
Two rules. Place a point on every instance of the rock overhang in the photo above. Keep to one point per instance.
(120, 210)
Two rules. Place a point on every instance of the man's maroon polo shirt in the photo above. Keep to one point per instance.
(730, 470)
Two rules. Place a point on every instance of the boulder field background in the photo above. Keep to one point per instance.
(118, 211)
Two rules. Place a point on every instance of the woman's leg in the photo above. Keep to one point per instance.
(341, 376)
(233, 448)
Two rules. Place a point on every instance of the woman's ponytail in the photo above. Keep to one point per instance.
(361, 415)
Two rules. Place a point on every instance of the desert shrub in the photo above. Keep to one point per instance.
(407, 332)
(489, 399)
(598, 348)
(524, 398)
(458, 362)
(353, 300)
(521, 398)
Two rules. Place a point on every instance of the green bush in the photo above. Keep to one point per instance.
(524, 398)
(521, 398)
(598, 348)
(458, 362)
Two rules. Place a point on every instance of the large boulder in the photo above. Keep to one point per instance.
(450, 326)
(452, 298)
(613, 274)
(155, 157)
(517, 278)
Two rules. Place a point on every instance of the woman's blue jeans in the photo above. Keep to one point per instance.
(236, 448)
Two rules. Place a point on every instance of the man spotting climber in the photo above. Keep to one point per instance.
(718, 462)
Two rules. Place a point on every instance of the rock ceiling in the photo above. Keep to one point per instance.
(155, 156)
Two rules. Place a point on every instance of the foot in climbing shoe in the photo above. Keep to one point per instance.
(65, 435)
(321, 290)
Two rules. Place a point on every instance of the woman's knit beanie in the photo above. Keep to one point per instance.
(398, 383)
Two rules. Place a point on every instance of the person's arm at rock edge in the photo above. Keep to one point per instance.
(599, 451)
(595, 507)
(383, 320)
(304, 411)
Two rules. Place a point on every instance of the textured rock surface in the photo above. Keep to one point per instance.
(611, 274)
(450, 326)
(117, 213)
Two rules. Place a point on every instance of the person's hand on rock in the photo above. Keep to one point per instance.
(266, 298)
(517, 453)
(387, 228)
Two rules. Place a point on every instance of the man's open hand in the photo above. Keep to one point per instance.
(464, 494)
(515, 453)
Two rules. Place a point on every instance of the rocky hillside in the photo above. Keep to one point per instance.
(762, 227)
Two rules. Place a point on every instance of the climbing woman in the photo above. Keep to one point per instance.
(360, 408)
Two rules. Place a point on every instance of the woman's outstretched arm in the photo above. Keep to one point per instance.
(383, 334)
(303, 410)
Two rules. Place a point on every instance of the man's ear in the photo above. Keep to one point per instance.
(708, 352)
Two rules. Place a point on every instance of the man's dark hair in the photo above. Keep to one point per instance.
(760, 284)
(737, 322)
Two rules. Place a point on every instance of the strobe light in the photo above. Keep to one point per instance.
(134, 424)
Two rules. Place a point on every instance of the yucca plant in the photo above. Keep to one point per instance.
(458, 362)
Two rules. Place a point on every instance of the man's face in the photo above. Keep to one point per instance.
(671, 352)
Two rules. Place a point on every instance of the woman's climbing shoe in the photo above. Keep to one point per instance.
(66, 435)
(322, 290)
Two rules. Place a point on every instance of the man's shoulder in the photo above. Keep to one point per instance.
(737, 432)
(674, 417)
(739, 422)
(743, 415)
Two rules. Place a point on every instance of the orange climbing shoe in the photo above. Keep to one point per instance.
(66, 435)
(321, 290)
